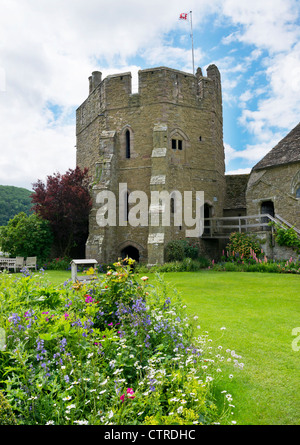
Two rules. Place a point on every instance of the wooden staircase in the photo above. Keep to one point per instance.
(221, 228)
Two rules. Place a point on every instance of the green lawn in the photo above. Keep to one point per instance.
(259, 311)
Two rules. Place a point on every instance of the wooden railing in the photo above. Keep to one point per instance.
(222, 227)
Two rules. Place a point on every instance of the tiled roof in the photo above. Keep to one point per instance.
(285, 152)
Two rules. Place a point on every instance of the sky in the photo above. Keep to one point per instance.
(49, 48)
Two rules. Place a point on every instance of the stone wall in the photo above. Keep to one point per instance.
(176, 143)
(275, 184)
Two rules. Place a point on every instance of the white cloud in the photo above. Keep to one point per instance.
(47, 51)
(268, 24)
(239, 171)
(49, 48)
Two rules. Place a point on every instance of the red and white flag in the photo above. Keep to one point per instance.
(183, 16)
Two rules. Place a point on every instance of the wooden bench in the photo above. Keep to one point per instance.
(18, 263)
(8, 263)
(30, 262)
(74, 270)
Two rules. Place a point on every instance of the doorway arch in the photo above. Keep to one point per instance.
(267, 207)
(130, 252)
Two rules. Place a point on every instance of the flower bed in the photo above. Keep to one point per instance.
(233, 261)
(115, 351)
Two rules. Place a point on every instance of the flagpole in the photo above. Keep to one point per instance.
(192, 42)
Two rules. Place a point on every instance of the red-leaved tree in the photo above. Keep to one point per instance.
(65, 202)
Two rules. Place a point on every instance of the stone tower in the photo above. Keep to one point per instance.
(168, 136)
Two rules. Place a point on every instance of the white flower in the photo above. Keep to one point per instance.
(51, 422)
(110, 414)
(230, 376)
(223, 328)
(71, 406)
(180, 409)
(67, 398)
(103, 391)
(104, 382)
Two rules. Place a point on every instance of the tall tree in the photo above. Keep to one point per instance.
(64, 201)
(26, 236)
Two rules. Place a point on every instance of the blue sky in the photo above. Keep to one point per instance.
(48, 49)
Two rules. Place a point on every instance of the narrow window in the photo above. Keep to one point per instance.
(298, 192)
(179, 144)
(127, 135)
(127, 205)
(174, 144)
(172, 206)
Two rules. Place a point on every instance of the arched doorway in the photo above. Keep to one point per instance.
(267, 208)
(131, 252)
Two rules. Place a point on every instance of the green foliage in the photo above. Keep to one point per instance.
(13, 200)
(243, 245)
(177, 250)
(286, 236)
(115, 350)
(58, 264)
(26, 236)
(6, 414)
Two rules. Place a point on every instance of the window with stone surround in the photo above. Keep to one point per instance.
(177, 144)
(126, 142)
(298, 193)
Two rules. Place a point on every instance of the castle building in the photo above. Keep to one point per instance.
(168, 138)
(274, 183)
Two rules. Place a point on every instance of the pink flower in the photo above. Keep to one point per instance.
(130, 393)
(88, 299)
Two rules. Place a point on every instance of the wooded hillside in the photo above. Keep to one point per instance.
(13, 200)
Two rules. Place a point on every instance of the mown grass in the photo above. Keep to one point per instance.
(259, 312)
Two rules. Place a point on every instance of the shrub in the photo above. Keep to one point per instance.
(174, 251)
(286, 236)
(117, 350)
(58, 264)
(7, 416)
(27, 236)
(242, 245)
(177, 250)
